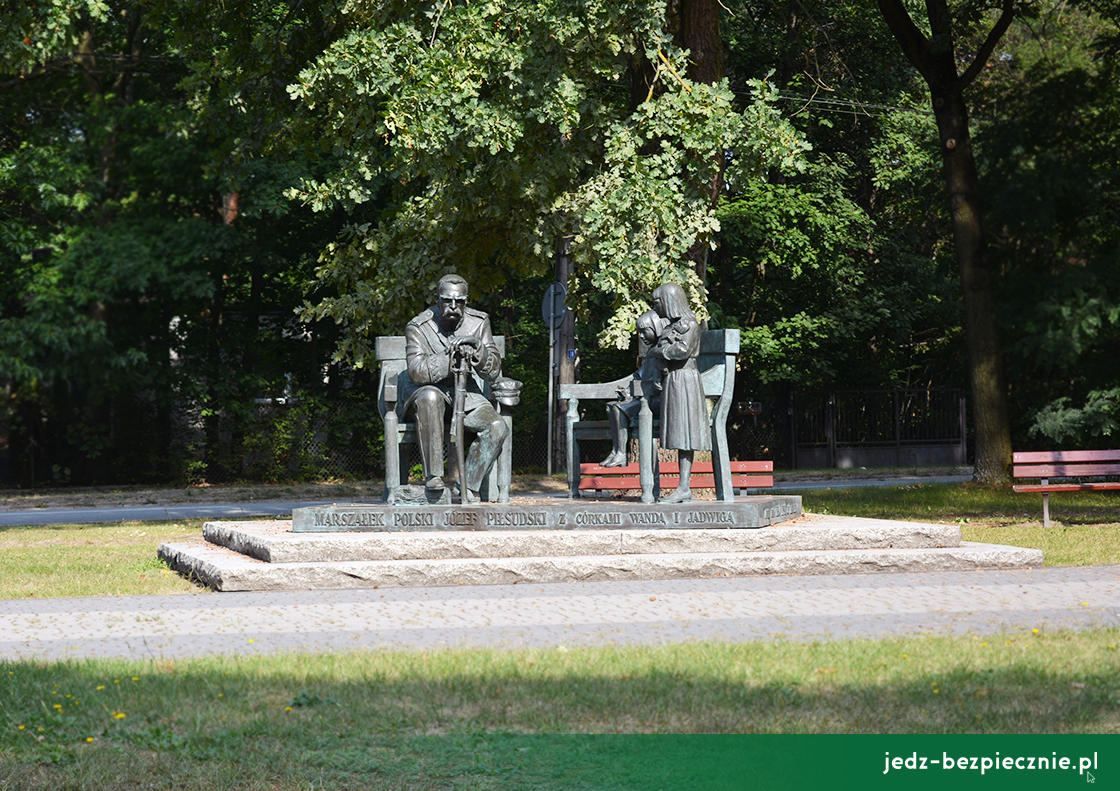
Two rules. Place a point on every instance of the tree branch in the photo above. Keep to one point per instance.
(986, 49)
(37, 73)
(913, 42)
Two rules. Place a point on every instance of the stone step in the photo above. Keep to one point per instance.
(275, 542)
(226, 570)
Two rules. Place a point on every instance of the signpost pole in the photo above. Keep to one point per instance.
(551, 401)
(553, 311)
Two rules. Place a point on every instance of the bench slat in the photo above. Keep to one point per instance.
(1060, 456)
(672, 481)
(674, 467)
(1063, 470)
(595, 477)
(1067, 487)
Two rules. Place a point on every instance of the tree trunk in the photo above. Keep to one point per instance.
(935, 59)
(699, 34)
(985, 368)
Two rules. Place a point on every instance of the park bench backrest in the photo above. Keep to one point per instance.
(716, 363)
(1066, 463)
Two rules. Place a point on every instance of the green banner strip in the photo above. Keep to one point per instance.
(785, 761)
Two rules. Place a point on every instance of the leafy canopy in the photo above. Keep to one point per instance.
(498, 127)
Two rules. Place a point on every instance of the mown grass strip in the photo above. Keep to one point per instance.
(424, 720)
(966, 502)
(1086, 529)
(116, 559)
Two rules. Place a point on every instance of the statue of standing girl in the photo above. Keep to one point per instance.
(684, 411)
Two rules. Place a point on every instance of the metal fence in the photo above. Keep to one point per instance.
(878, 428)
(341, 437)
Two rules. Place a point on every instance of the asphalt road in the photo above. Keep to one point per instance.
(148, 513)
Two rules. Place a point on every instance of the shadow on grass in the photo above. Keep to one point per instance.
(489, 719)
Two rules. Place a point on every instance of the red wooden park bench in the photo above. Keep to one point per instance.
(744, 475)
(1066, 465)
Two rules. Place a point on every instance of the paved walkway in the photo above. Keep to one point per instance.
(594, 613)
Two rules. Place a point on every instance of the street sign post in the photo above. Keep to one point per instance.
(553, 308)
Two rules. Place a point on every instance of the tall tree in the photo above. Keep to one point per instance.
(936, 58)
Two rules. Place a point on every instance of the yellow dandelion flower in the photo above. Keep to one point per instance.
(1035, 631)
(116, 681)
(250, 639)
(119, 715)
(89, 739)
(57, 706)
(136, 678)
(286, 708)
(220, 695)
(101, 688)
(984, 644)
(21, 727)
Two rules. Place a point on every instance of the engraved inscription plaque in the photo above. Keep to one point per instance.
(746, 512)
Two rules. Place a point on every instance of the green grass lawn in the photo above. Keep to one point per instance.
(464, 719)
(1086, 529)
(115, 559)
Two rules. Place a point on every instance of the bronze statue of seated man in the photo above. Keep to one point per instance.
(444, 336)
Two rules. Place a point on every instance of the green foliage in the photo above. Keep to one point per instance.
(837, 271)
(1061, 423)
(1050, 164)
(500, 126)
(137, 302)
(373, 146)
(33, 35)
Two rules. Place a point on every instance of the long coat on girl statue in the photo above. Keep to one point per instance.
(684, 410)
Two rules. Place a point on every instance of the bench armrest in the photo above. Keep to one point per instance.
(602, 391)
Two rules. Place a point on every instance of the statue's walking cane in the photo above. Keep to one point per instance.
(460, 366)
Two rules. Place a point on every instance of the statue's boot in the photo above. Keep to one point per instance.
(678, 496)
(615, 459)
